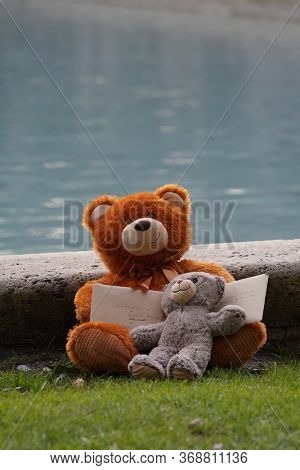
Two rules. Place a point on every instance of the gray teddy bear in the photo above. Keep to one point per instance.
(183, 342)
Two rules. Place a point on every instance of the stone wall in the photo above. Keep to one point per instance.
(37, 291)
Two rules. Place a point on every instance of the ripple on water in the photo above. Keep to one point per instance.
(54, 203)
(164, 113)
(167, 129)
(179, 157)
(235, 191)
(56, 233)
(55, 165)
(19, 168)
(49, 233)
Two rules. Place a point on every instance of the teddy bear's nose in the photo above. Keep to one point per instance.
(142, 225)
(179, 282)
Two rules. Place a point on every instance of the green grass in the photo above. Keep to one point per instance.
(240, 410)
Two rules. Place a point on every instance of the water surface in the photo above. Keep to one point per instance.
(149, 87)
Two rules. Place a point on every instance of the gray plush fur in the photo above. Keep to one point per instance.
(184, 340)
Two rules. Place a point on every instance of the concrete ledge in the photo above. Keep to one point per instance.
(37, 291)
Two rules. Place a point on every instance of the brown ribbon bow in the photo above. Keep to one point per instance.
(144, 274)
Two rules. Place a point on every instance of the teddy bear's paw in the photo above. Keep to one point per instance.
(182, 374)
(142, 366)
(140, 371)
(236, 314)
(183, 367)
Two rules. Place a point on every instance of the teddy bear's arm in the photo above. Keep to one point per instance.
(83, 298)
(146, 337)
(227, 321)
(190, 265)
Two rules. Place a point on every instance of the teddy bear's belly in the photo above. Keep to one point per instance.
(183, 330)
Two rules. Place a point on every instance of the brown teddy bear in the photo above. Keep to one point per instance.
(141, 239)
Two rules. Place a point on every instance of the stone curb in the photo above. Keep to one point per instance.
(37, 291)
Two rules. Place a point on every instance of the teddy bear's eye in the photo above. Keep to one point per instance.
(151, 215)
(194, 280)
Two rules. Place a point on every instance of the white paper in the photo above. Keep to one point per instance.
(132, 307)
(126, 306)
(250, 294)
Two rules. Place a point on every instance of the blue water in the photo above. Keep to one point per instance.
(149, 87)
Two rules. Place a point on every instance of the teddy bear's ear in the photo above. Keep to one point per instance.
(175, 195)
(96, 209)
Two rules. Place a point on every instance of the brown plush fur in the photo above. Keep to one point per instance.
(103, 346)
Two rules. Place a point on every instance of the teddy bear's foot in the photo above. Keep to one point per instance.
(140, 371)
(143, 366)
(100, 347)
(183, 367)
(238, 349)
(182, 374)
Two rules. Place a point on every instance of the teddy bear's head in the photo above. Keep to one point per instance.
(149, 228)
(196, 288)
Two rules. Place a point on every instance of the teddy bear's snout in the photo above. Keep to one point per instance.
(145, 236)
(183, 291)
(182, 285)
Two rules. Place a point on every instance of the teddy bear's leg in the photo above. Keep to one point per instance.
(238, 349)
(100, 346)
(190, 363)
(152, 365)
